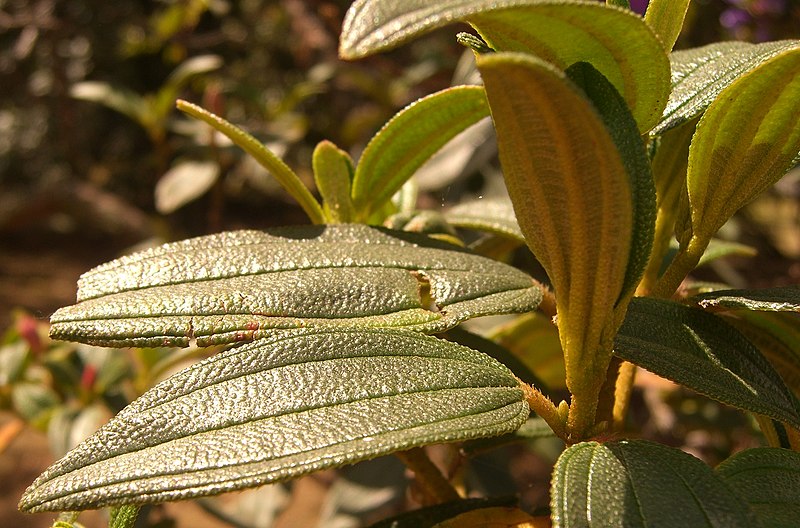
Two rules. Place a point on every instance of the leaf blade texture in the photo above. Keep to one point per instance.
(780, 299)
(282, 407)
(769, 480)
(701, 351)
(240, 286)
(571, 196)
(639, 483)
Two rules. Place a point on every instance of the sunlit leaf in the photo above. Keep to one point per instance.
(123, 101)
(572, 199)
(641, 483)
(781, 299)
(699, 75)
(184, 182)
(615, 41)
(282, 407)
(768, 479)
(666, 19)
(409, 139)
(242, 285)
(747, 139)
(333, 172)
(701, 351)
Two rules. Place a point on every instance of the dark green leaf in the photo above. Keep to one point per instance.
(282, 407)
(701, 351)
(782, 299)
(242, 285)
(623, 131)
(699, 75)
(635, 483)
(769, 480)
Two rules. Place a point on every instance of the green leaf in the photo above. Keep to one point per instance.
(701, 351)
(781, 299)
(666, 19)
(333, 172)
(242, 285)
(285, 176)
(623, 132)
(641, 483)
(409, 139)
(572, 199)
(699, 75)
(777, 336)
(746, 140)
(769, 480)
(123, 516)
(615, 41)
(278, 408)
(490, 215)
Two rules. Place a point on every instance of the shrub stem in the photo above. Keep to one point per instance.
(429, 477)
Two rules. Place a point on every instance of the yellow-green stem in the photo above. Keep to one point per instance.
(545, 409)
(683, 263)
(430, 479)
(622, 394)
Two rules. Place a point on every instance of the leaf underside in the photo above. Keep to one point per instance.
(703, 352)
(636, 483)
(282, 407)
(240, 286)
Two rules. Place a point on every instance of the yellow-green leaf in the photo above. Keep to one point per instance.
(572, 198)
(409, 139)
(333, 171)
(615, 41)
(746, 140)
(666, 19)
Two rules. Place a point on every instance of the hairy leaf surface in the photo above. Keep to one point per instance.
(240, 286)
(701, 351)
(281, 407)
(613, 40)
(409, 139)
(747, 139)
(571, 196)
(699, 75)
(636, 483)
(666, 19)
(782, 299)
(333, 172)
(769, 480)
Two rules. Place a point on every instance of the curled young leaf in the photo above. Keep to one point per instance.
(242, 285)
(278, 408)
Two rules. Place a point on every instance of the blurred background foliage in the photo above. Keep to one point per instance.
(95, 160)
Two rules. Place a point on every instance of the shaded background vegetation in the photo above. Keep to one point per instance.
(81, 164)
